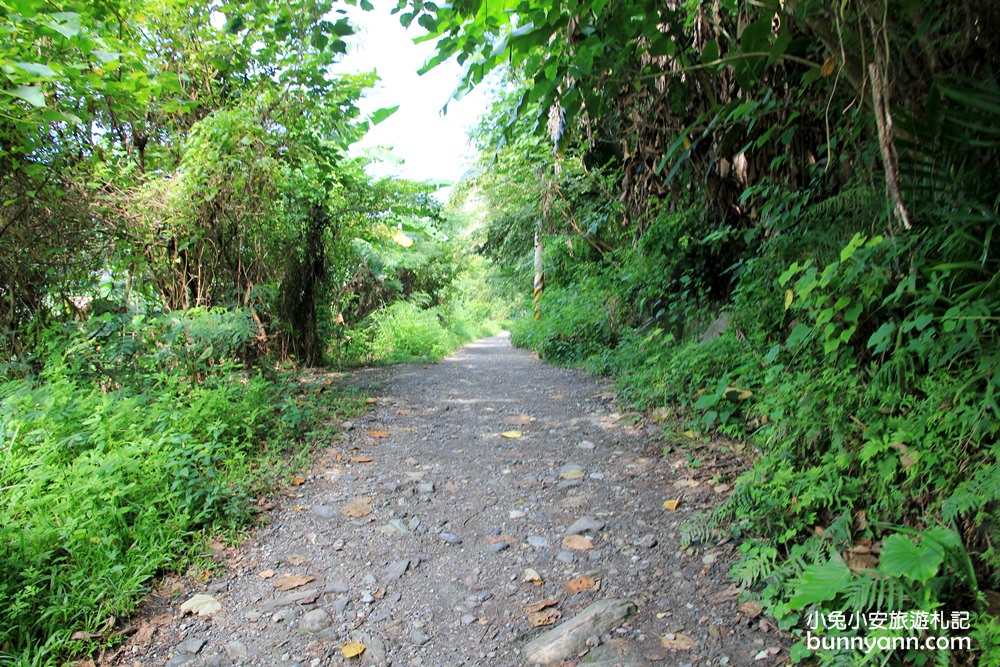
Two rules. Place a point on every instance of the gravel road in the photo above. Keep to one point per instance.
(481, 503)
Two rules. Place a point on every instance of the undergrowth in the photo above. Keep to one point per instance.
(134, 440)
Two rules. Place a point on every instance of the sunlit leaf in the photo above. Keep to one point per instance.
(352, 649)
(33, 95)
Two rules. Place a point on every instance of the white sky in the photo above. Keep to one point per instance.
(431, 146)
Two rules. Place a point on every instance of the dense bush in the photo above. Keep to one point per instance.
(135, 437)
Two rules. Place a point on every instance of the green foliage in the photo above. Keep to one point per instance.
(135, 438)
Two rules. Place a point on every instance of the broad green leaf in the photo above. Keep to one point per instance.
(901, 557)
(798, 334)
(33, 95)
(38, 69)
(820, 582)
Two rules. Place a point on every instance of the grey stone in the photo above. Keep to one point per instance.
(337, 587)
(585, 524)
(395, 527)
(647, 541)
(565, 556)
(425, 488)
(396, 570)
(237, 650)
(419, 637)
(538, 541)
(191, 646)
(340, 604)
(497, 547)
(324, 511)
(314, 621)
(450, 538)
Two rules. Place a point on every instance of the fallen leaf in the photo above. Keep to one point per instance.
(290, 581)
(767, 653)
(687, 484)
(736, 394)
(750, 609)
(83, 635)
(531, 576)
(501, 538)
(202, 605)
(371, 401)
(572, 473)
(542, 618)
(404, 412)
(721, 488)
(512, 435)
(357, 508)
(267, 574)
(540, 605)
(671, 504)
(298, 481)
(352, 649)
(578, 543)
(378, 434)
(677, 642)
(294, 559)
(361, 459)
(581, 584)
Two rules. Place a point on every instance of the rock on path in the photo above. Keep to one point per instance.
(484, 501)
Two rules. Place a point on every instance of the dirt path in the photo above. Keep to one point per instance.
(421, 552)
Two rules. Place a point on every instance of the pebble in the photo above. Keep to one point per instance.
(425, 488)
(190, 646)
(708, 559)
(518, 514)
(419, 637)
(396, 569)
(315, 620)
(586, 444)
(538, 541)
(395, 527)
(647, 541)
(450, 538)
(340, 604)
(584, 524)
(237, 650)
(497, 547)
(468, 619)
(324, 511)
(565, 556)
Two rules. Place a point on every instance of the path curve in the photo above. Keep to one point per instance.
(449, 514)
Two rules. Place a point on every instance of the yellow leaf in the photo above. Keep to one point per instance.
(531, 576)
(298, 481)
(828, 66)
(578, 543)
(737, 395)
(671, 504)
(402, 239)
(361, 459)
(371, 401)
(789, 297)
(378, 434)
(513, 435)
(573, 473)
(352, 649)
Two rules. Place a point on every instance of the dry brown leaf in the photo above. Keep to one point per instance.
(83, 635)
(677, 642)
(378, 434)
(371, 401)
(290, 581)
(361, 459)
(298, 481)
(540, 605)
(671, 504)
(512, 435)
(357, 508)
(404, 412)
(578, 543)
(750, 609)
(267, 574)
(581, 584)
(502, 538)
(545, 617)
(352, 649)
